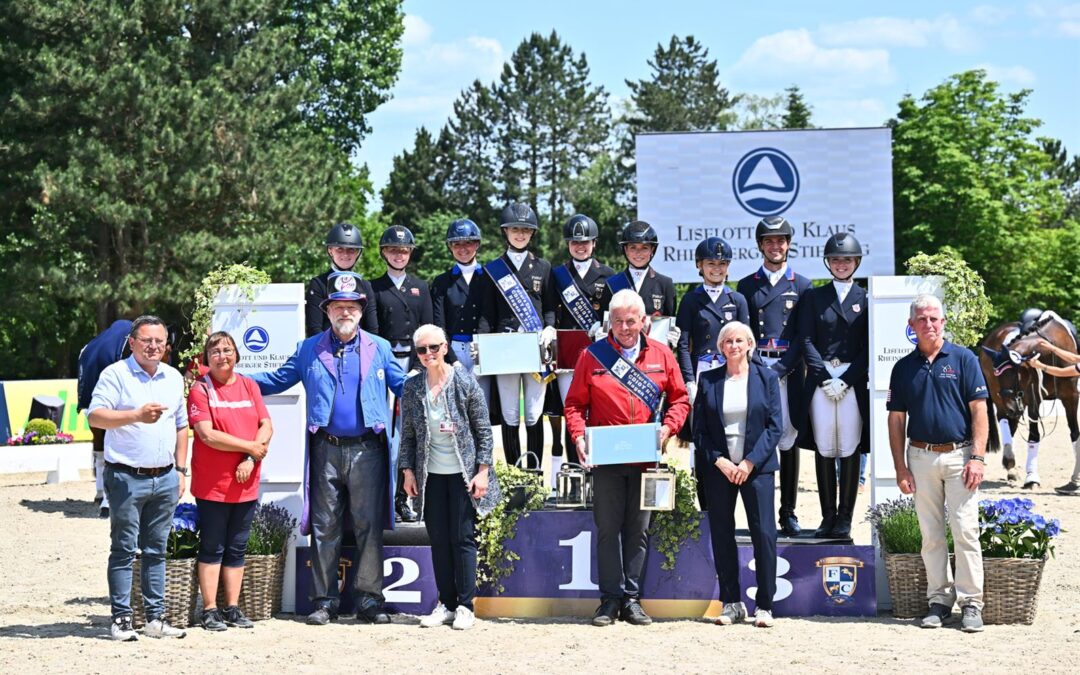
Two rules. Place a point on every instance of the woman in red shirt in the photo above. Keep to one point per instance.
(232, 433)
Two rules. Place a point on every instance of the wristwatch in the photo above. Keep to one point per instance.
(184, 470)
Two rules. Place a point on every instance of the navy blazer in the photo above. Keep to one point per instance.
(763, 418)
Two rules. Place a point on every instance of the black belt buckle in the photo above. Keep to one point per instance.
(771, 353)
(348, 440)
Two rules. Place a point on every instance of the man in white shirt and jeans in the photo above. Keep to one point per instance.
(139, 402)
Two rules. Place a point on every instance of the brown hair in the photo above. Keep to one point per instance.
(213, 340)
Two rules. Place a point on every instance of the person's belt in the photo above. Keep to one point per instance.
(939, 447)
(771, 353)
(347, 440)
(139, 470)
(461, 337)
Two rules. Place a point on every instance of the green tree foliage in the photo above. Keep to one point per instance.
(760, 112)
(1067, 171)
(551, 122)
(967, 172)
(469, 145)
(417, 184)
(966, 305)
(597, 192)
(797, 113)
(143, 144)
(682, 93)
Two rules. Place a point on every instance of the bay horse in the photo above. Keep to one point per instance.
(1017, 389)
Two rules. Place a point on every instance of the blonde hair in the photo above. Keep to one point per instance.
(429, 329)
(731, 327)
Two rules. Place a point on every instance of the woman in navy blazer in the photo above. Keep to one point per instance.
(736, 428)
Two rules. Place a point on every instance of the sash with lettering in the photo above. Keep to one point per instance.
(512, 291)
(628, 375)
(580, 308)
(619, 282)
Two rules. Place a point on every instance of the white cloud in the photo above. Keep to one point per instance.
(434, 73)
(1070, 29)
(849, 112)
(1063, 19)
(417, 31)
(1009, 74)
(885, 31)
(990, 14)
(795, 56)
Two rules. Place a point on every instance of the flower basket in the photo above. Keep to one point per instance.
(1011, 589)
(260, 595)
(907, 584)
(181, 591)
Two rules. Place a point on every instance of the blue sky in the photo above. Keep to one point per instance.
(853, 60)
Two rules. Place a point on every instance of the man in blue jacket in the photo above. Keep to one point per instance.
(346, 373)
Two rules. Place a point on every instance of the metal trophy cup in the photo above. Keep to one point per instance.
(571, 487)
(658, 489)
(523, 464)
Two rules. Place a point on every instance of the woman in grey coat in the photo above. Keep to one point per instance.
(446, 456)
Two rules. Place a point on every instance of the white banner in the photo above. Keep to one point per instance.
(823, 181)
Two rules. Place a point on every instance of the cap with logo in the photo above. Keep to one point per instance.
(344, 286)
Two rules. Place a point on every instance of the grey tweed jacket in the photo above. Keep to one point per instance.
(472, 432)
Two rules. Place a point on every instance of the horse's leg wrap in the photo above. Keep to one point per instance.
(1032, 465)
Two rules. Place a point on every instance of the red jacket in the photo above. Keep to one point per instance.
(597, 399)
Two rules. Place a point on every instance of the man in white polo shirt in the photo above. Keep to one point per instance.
(139, 402)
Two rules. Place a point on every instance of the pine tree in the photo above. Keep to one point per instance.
(797, 114)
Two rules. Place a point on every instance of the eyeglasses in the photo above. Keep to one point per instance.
(228, 351)
(151, 342)
(424, 349)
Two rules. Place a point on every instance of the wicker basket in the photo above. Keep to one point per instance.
(260, 595)
(907, 584)
(1011, 589)
(181, 590)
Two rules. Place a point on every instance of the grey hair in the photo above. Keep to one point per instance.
(144, 320)
(731, 327)
(429, 329)
(627, 299)
(924, 301)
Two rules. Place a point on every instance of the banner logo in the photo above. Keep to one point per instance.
(256, 339)
(911, 337)
(765, 182)
(839, 577)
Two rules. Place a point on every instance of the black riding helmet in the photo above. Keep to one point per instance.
(580, 228)
(843, 245)
(772, 226)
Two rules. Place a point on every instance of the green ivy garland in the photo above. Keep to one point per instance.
(966, 306)
(244, 277)
(670, 529)
(494, 562)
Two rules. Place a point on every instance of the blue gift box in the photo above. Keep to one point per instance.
(623, 444)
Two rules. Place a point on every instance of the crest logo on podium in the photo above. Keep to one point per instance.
(840, 577)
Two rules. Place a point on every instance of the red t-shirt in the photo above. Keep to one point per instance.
(235, 409)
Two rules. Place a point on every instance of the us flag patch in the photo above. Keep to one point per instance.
(414, 291)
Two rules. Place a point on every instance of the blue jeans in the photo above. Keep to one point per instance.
(140, 517)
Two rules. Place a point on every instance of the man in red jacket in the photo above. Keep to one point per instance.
(618, 380)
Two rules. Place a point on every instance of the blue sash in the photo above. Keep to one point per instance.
(515, 295)
(628, 375)
(580, 308)
(619, 282)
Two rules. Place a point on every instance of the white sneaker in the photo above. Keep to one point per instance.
(440, 616)
(160, 628)
(464, 618)
(763, 618)
(122, 629)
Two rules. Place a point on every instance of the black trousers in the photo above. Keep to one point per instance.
(451, 525)
(621, 540)
(355, 475)
(757, 494)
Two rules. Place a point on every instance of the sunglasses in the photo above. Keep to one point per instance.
(424, 349)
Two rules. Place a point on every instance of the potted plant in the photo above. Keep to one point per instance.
(40, 431)
(181, 585)
(1016, 542)
(522, 491)
(246, 279)
(669, 530)
(897, 528)
(264, 566)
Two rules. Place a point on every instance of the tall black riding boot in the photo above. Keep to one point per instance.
(849, 491)
(789, 491)
(825, 468)
(534, 444)
(511, 444)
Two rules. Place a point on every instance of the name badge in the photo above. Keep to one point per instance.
(446, 427)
